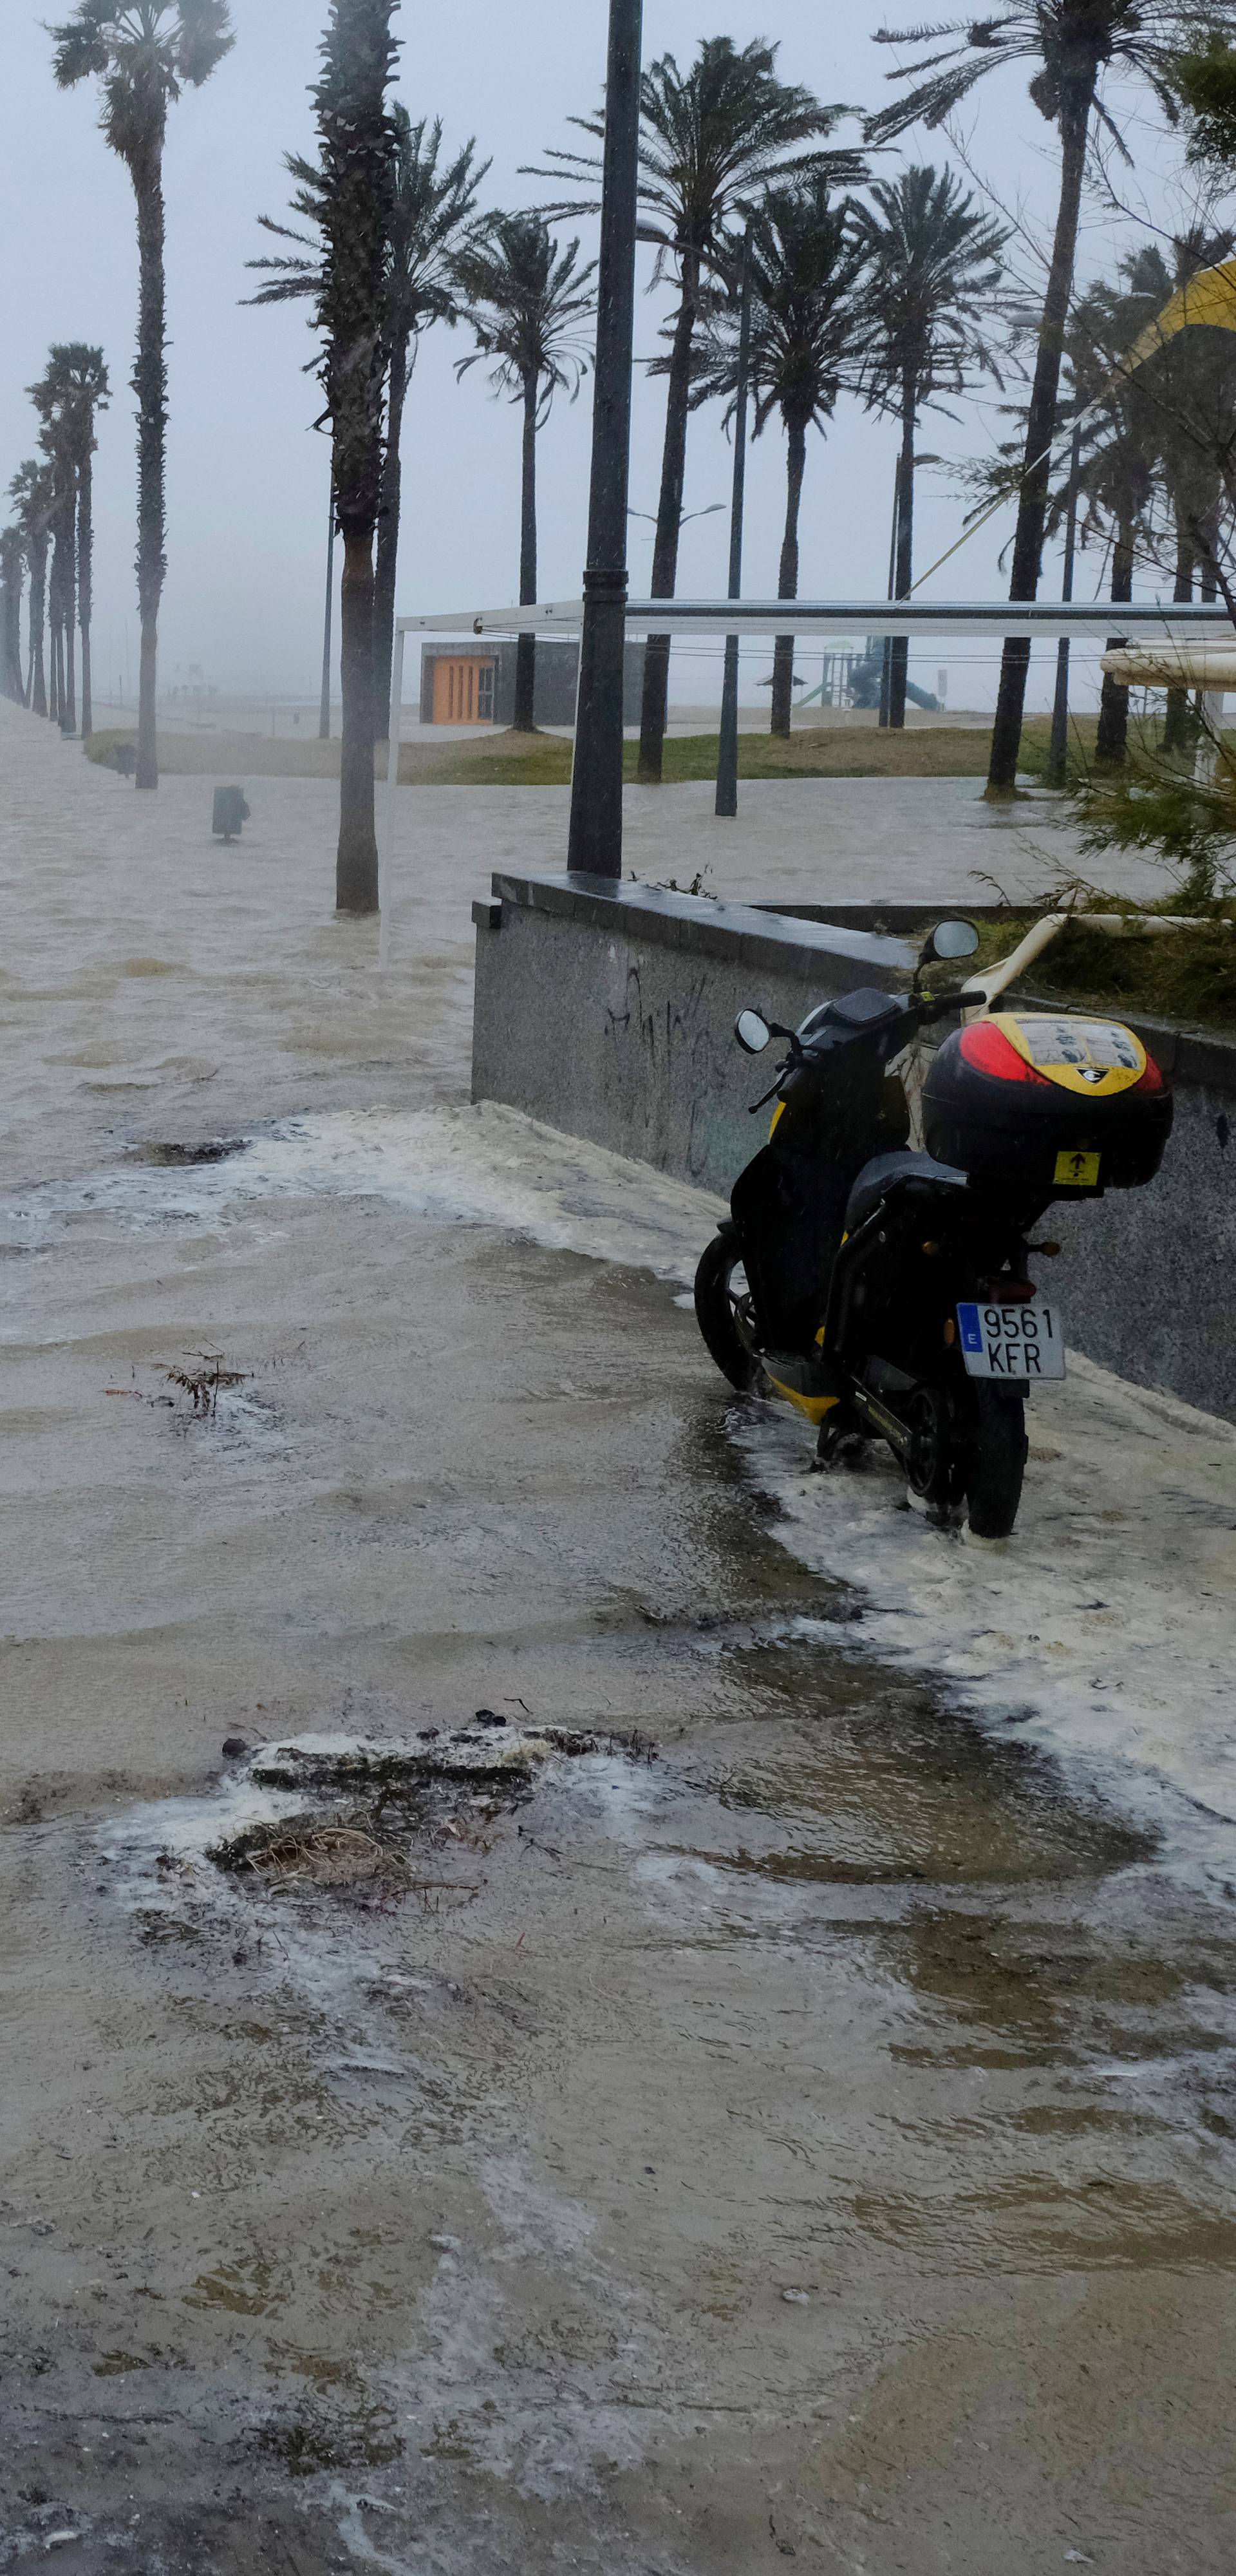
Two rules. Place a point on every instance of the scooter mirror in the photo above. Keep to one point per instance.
(752, 1032)
(952, 939)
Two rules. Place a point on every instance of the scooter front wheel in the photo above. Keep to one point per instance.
(997, 1462)
(723, 1313)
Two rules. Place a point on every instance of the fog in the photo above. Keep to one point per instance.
(247, 475)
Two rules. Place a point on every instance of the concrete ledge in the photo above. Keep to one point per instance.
(607, 1011)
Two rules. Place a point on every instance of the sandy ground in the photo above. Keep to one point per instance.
(787, 2112)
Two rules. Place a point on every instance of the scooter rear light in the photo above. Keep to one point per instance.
(986, 1047)
(1151, 1079)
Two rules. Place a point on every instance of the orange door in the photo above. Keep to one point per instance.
(459, 688)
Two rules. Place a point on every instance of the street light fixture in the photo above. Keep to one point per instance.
(687, 516)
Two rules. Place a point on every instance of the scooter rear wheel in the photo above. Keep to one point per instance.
(997, 1462)
(723, 1313)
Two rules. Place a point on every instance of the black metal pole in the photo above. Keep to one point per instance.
(886, 658)
(1058, 750)
(594, 847)
(727, 739)
(324, 703)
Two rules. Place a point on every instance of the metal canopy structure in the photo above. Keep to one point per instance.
(1187, 623)
(1049, 617)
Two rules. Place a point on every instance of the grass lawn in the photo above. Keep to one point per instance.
(544, 759)
(833, 751)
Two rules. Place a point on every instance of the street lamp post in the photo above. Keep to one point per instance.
(886, 659)
(1057, 756)
(727, 740)
(594, 847)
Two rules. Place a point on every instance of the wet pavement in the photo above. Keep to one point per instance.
(779, 2113)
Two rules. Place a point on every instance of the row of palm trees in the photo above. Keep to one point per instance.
(52, 538)
(888, 299)
(884, 298)
(729, 154)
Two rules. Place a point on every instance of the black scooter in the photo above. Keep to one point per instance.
(883, 1290)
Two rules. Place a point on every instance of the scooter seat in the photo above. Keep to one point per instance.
(885, 1171)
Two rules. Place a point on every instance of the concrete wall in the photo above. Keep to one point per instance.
(608, 1012)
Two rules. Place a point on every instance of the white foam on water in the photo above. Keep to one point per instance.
(1104, 1625)
(484, 1165)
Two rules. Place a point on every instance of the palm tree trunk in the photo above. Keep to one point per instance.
(669, 523)
(899, 658)
(150, 387)
(356, 868)
(385, 576)
(37, 689)
(525, 655)
(1112, 741)
(68, 704)
(12, 630)
(787, 577)
(16, 682)
(1076, 103)
(1176, 720)
(85, 565)
(53, 697)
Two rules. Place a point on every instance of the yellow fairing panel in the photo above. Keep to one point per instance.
(772, 1129)
(1093, 1057)
(814, 1406)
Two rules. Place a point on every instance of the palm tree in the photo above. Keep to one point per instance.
(31, 489)
(70, 397)
(12, 577)
(807, 262)
(712, 138)
(1073, 42)
(429, 209)
(526, 301)
(1117, 473)
(934, 268)
(57, 441)
(1189, 391)
(348, 195)
(144, 53)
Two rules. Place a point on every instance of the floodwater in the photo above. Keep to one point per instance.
(780, 2108)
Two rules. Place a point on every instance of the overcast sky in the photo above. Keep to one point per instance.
(247, 478)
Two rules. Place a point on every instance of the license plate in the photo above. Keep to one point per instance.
(1012, 1341)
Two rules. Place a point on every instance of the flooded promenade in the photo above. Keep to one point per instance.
(571, 1997)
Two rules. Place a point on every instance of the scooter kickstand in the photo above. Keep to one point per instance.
(840, 1444)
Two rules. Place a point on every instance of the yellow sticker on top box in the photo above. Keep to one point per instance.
(1077, 1171)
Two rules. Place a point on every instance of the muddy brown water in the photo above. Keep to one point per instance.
(814, 2140)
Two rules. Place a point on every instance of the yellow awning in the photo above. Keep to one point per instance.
(1209, 298)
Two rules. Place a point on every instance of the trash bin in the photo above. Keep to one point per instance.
(230, 812)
